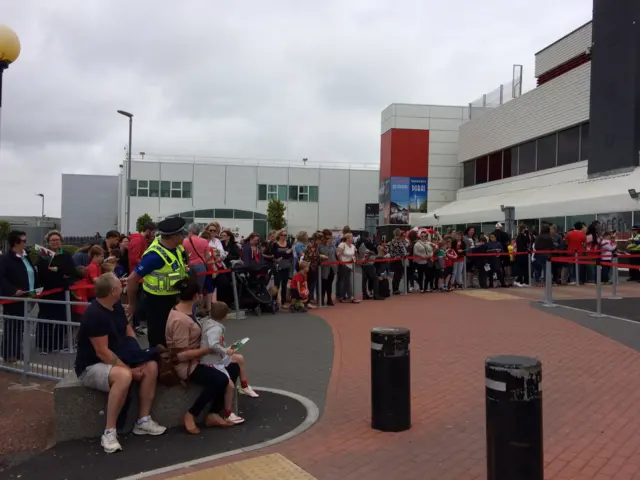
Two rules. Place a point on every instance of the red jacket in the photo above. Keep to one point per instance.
(137, 246)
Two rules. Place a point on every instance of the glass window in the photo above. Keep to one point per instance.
(569, 146)
(154, 188)
(282, 193)
(515, 160)
(507, 162)
(482, 168)
(557, 221)
(303, 193)
(262, 192)
(143, 184)
(143, 192)
(260, 227)
(186, 189)
(272, 192)
(293, 193)
(188, 214)
(223, 213)
(533, 224)
(495, 166)
(527, 157)
(165, 189)
(313, 194)
(586, 219)
(546, 152)
(619, 222)
(259, 216)
(242, 214)
(176, 185)
(133, 188)
(204, 213)
(469, 173)
(176, 189)
(584, 141)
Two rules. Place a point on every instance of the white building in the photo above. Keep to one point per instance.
(234, 193)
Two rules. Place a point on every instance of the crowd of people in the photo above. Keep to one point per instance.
(176, 281)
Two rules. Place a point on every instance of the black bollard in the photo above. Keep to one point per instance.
(390, 379)
(514, 418)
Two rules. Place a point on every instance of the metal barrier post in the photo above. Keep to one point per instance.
(464, 274)
(319, 289)
(529, 268)
(548, 285)
(67, 307)
(406, 278)
(353, 280)
(239, 314)
(575, 256)
(26, 344)
(614, 280)
(598, 292)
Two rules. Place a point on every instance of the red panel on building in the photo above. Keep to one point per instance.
(404, 153)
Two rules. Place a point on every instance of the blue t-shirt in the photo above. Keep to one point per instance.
(151, 262)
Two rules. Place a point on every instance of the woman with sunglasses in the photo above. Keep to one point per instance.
(18, 278)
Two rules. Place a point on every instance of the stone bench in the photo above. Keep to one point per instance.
(79, 412)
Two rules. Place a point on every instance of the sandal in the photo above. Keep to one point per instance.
(191, 430)
(215, 420)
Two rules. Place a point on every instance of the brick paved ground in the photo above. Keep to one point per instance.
(591, 393)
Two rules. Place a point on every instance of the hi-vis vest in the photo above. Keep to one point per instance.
(161, 281)
(634, 244)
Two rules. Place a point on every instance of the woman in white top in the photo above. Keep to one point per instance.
(214, 230)
(346, 252)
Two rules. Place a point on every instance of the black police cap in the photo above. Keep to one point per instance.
(171, 226)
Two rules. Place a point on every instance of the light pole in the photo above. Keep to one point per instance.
(127, 186)
(9, 51)
(41, 195)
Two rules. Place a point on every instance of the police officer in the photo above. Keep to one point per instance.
(633, 247)
(162, 265)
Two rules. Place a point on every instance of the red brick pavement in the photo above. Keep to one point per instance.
(591, 394)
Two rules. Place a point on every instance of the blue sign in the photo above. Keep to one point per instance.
(399, 200)
(418, 194)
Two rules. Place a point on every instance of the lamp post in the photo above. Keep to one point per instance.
(41, 195)
(9, 51)
(128, 188)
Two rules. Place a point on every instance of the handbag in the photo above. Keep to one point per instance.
(167, 375)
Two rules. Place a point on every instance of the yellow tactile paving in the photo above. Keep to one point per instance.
(266, 467)
(488, 295)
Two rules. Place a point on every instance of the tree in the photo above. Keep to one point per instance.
(276, 214)
(5, 229)
(423, 206)
(142, 220)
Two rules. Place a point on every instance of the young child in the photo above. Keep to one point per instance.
(84, 291)
(438, 264)
(213, 337)
(299, 289)
(273, 291)
(450, 257)
(608, 246)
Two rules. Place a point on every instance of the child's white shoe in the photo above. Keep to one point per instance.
(233, 418)
(248, 391)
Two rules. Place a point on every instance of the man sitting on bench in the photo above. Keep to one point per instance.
(103, 327)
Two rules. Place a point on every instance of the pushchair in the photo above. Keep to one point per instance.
(253, 290)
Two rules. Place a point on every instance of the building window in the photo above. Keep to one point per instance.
(154, 188)
(584, 141)
(133, 188)
(482, 169)
(243, 214)
(569, 146)
(165, 189)
(527, 158)
(223, 213)
(469, 173)
(204, 214)
(282, 193)
(176, 189)
(313, 194)
(143, 188)
(186, 189)
(259, 216)
(262, 193)
(303, 193)
(507, 162)
(515, 160)
(293, 193)
(546, 152)
(495, 166)
(272, 192)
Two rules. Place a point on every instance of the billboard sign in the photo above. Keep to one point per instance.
(399, 200)
(418, 194)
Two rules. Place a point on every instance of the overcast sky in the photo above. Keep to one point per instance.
(280, 79)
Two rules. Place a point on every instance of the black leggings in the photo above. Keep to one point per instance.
(398, 272)
(281, 278)
(327, 287)
(214, 384)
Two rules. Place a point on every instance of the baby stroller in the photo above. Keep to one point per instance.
(253, 290)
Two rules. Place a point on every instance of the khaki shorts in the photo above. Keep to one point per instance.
(96, 377)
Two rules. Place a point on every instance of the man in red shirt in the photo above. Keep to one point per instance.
(138, 244)
(576, 240)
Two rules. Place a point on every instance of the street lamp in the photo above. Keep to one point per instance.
(41, 195)
(9, 51)
(128, 187)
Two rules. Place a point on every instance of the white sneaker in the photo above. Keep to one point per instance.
(517, 284)
(150, 427)
(110, 443)
(233, 418)
(250, 392)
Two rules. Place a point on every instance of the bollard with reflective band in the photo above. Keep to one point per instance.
(390, 379)
(614, 280)
(529, 281)
(514, 418)
(548, 285)
(598, 312)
